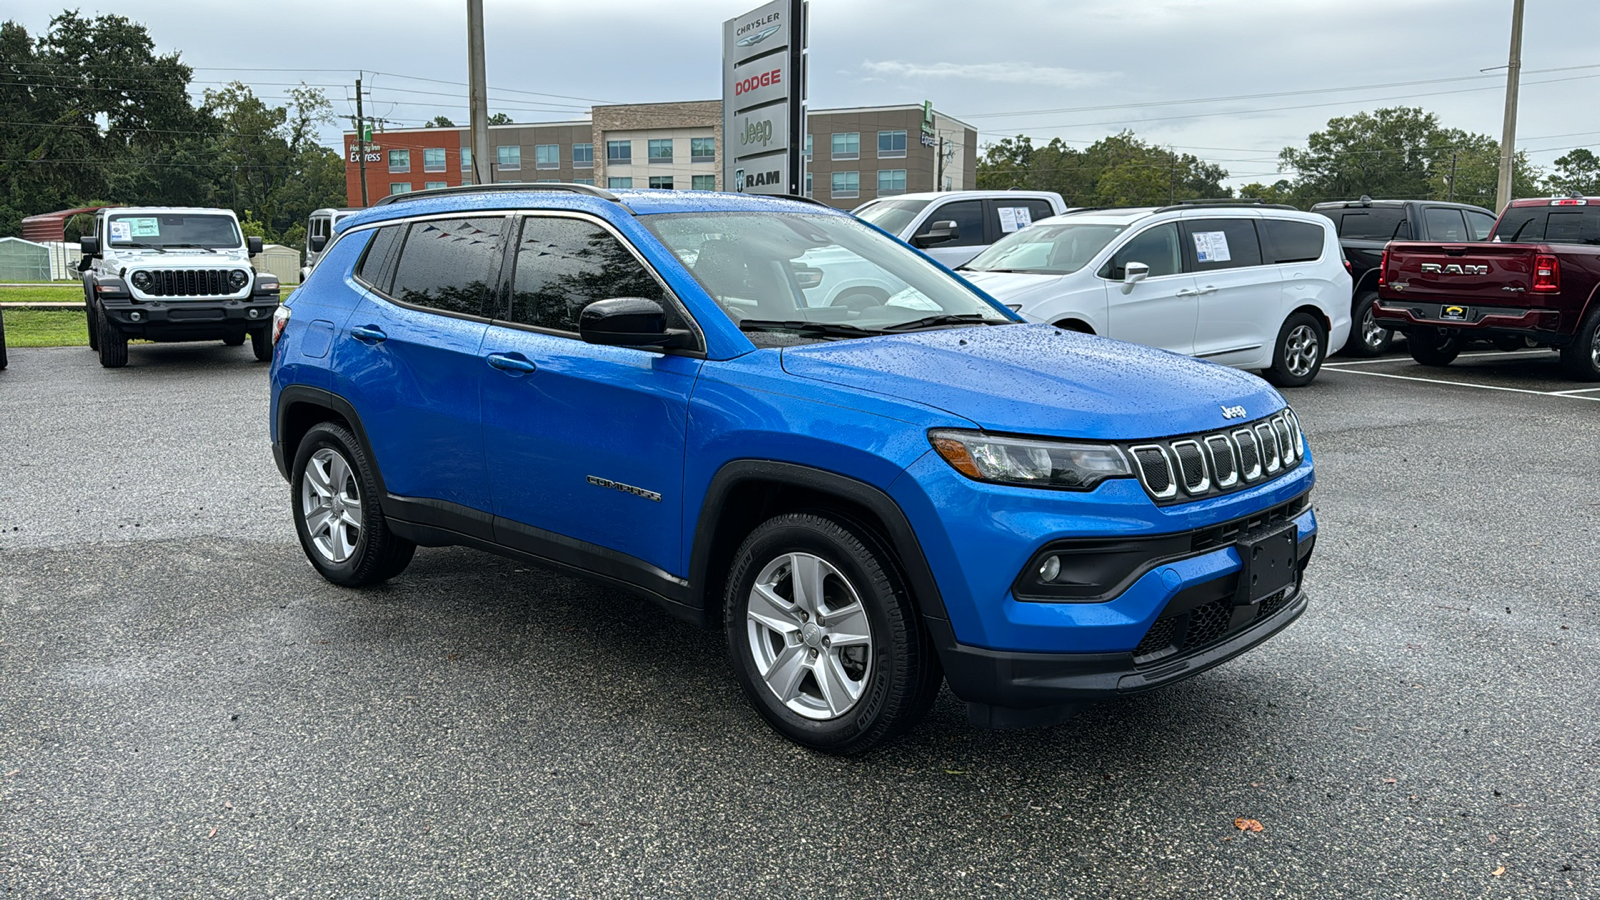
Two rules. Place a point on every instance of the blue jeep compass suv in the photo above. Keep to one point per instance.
(765, 414)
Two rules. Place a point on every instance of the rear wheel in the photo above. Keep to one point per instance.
(336, 512)
(1297, 356)
(93, 321)
(1434, 346)
(1580, 360)
(112, 344)
(1369, 337)
(823, 635)
(2, 342)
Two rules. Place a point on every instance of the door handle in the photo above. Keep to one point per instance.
(1188, 292)
(368, 334)
(1209, 289)
(516, 365)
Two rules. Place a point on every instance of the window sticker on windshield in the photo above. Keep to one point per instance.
(121, 230)
(1211, 246)
(145, 226)
(1014, 218)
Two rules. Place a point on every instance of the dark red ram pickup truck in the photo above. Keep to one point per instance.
(1534, 283)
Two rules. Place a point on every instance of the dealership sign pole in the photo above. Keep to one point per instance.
(764, 99)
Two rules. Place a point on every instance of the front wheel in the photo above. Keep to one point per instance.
(823, 636)
(1433, 346)
(1580, 360)
(261, 344)
(1369, 338)
(233, 340)
(93, 322)
(1297, 356)
(336, 512)
(112, 343)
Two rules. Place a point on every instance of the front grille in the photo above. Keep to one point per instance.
(188, 283)
(1207, 623)
(1159, 637)
(1190, 467)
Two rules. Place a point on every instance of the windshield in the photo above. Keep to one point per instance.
(205, 230)
(891, 215)
(1046, 249)
(765, 269)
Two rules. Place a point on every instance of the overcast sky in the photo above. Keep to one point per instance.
(1191, 75)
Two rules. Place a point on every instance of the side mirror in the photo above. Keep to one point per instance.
(1132, 274)
(316, 242)
(89, 245)
(628, 322)
(253, 244)
(937, 233)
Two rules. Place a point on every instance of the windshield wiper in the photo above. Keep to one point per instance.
(946, 319)
(822, 329)
(137, 246)
(1011, 271)
(191, 247)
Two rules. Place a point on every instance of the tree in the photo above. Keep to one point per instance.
(499, 119)
(273, 165)
(439, 122)
(1119, 170)
(1578, 171)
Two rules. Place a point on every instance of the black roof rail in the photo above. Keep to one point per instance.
(586, 189)
(799, 199)
(1224, 202)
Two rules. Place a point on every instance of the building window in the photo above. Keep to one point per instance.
(434, 185)
(588, 181)
(619, 183)
(619, 152)
(547, 156)
(704, 182)
(847, 146)
(509, 157)
(399, 187)
(846, 185)
(663, 182)
(702, 149)
(891, 181)
(808, 146)
(400, 161)
(466, 159)
(891, 144)
(433, 159)
(583, 156)
(808, 182)
(661, 150)
(548, 181)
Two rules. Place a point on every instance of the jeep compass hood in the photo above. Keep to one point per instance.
(1039, 379)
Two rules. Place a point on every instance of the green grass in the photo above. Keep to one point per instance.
(43, 293)
(46, 327)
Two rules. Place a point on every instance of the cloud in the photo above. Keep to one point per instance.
(1007, 73)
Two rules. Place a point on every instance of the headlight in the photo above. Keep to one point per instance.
(237, 279)
(141, 280)
(1027, 462)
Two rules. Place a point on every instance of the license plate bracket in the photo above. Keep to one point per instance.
(1268, 560)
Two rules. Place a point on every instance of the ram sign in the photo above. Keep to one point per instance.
(764, 99)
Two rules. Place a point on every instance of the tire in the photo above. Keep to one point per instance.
(1433, 347)
(332, 478)
(112, 344)
(1297, 354)
(261, 344)
(2, 342)
(93, 322)
(233, 340)
(870, 690)
(1367, 337)
(1580, 360)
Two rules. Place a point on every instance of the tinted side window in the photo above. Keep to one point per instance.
(1521, 224)
(1444, 224)
(1479, 225)
(1223, 244)
(376, 265)
(1156, 247)
(1292, 241)
(968, 216)
(1573, 227)
(1374, 225)
(449, 265)
(565, 264)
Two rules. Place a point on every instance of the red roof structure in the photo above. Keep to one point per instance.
(51, 226)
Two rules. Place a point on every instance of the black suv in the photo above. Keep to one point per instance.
(1367, 225)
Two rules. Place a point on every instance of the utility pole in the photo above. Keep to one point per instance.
(1452, 197)
(1508, 138)
(478, 95)
(1172, 176)
(361, 142)
(938, 169)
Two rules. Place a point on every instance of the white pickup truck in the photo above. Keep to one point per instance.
(173, 274)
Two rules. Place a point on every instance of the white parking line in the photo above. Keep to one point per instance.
(1577, 391)
(1515, 354)
(1565, 395)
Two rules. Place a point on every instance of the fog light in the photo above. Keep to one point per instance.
(254, 313)
(136, 315)
(1050, 568)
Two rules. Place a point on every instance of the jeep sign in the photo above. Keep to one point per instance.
(763, 99)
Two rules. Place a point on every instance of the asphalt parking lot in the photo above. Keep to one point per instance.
(187, 709)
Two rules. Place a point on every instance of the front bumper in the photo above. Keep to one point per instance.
(189, 319)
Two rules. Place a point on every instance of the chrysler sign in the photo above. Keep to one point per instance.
(763, 99)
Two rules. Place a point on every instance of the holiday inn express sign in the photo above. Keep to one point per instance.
(764, 99)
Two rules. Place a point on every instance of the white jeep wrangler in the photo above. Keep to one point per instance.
(173, 274)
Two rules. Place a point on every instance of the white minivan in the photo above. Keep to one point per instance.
(319, 230)
(1246, 285)
(954, 226)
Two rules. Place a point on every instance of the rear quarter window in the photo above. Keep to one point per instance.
(1286, 242)
(377, 264)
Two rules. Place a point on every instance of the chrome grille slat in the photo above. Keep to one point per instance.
(1190, 467)
(1271, 462)
(1223, 463)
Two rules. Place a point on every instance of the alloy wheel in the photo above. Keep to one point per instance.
(809, 635)
(330, 501)
(1301, 350)
(1372, 334)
